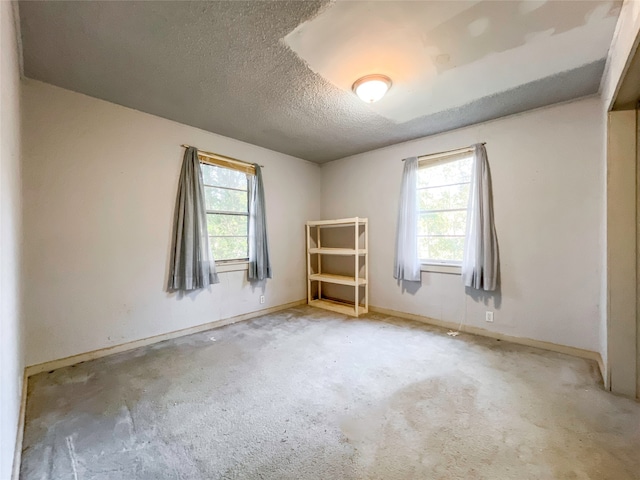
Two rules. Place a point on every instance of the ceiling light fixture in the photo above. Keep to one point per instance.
(372, 87)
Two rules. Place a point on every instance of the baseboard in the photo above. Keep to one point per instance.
(103, 352)
(17, 454)
(529, 342)
(604, 373)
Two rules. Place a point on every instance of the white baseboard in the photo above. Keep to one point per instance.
(604, 371)
(529, 342)
(17, 454)
(103, 352)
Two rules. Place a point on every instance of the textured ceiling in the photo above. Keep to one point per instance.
(278, 74)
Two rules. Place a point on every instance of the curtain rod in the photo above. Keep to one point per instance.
(456, 150)
(220, 157)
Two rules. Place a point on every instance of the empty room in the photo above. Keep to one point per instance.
(318, 239)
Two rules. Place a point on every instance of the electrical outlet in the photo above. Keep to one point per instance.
(489, 317)
(261, 298)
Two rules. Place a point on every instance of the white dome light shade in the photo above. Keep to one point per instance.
(372, 87)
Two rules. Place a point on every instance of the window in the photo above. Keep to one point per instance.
(226, 194)
(443, 194)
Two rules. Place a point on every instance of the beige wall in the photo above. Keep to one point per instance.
(11, 357)
(604, 294)
(622, 362)
(548, 179)
(100, 184)
(621, 250)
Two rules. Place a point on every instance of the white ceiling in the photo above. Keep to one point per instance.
(279, 74)
(442, 55)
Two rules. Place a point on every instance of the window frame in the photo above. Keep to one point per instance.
(435, 265)
(229, 264)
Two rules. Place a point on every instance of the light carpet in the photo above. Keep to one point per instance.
(306, 394)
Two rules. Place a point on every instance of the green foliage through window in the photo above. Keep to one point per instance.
(443, 194)
(227, 202)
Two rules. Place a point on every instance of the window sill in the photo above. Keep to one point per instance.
(441, 268)
(232, 266)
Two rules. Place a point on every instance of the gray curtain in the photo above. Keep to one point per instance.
(407, 263)
(259, 263)
(480, 264)
(192, 265)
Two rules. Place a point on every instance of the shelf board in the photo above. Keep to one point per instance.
(338, 279)
(344, 308)
(341, 222)
(338, 251)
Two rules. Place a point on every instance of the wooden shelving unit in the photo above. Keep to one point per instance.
(361, 303)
